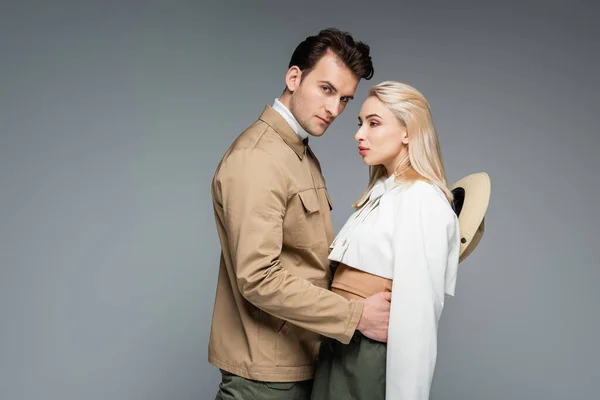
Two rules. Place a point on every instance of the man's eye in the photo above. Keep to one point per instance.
(325, 88)
(345, 99)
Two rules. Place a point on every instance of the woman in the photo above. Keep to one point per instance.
(404, 238)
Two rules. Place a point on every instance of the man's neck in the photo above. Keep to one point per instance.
(285, 99)
(284, 110)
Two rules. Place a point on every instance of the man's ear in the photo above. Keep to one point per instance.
(292, 78)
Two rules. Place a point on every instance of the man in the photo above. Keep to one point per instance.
(273, 218)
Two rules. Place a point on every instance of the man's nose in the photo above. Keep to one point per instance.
(333, 107)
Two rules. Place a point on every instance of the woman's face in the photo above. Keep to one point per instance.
(382, 138)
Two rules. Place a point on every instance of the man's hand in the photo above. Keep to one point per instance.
(376, 316)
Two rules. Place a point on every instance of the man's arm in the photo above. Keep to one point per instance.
(253, 193)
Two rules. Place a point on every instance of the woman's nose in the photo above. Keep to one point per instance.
(359, 134)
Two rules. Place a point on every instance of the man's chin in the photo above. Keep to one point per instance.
(317, 132)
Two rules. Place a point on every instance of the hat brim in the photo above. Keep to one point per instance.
(472, 197)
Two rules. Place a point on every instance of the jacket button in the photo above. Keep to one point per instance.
(463, 240)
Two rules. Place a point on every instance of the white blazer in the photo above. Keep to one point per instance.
(407, 232)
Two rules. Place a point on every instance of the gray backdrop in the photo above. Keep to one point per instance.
(113, 116)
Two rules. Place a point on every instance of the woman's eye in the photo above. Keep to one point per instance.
(373, 123)
(360, 124)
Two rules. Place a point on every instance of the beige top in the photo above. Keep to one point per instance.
(272, 212)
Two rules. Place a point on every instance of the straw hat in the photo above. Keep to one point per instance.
(471, 199)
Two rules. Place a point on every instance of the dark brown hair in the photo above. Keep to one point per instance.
(354, 54)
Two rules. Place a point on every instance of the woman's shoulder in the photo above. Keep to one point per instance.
(423, 194)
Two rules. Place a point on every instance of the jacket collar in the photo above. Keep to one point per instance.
(380, 187)
(280, 125)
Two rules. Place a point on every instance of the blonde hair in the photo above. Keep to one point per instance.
(423, 160)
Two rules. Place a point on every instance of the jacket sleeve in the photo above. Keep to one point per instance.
(425, 240)
(254, 194)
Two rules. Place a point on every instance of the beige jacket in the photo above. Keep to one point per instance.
(272, 300)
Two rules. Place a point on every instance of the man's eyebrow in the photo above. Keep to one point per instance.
(335, 89)
(330, 84)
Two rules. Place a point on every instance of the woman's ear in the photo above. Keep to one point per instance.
(404, 136)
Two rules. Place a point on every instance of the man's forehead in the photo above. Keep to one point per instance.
(331, 69)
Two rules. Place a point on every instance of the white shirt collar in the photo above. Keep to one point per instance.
(390, 182)
(380, 187)
(289, 117)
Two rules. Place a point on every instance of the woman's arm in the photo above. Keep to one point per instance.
(425, 250)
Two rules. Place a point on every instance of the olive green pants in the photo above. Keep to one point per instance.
(355, 371)
(234, 387)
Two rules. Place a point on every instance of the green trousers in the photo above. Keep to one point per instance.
(355, 371)
(234, 387)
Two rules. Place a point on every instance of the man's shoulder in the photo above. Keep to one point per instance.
(260, 135)
(258, 144)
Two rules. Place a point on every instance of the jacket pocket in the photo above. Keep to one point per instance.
(310, 201)
(280, 385)
(296, 346)
(308, 230)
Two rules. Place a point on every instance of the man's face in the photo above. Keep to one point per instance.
(322, 95)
